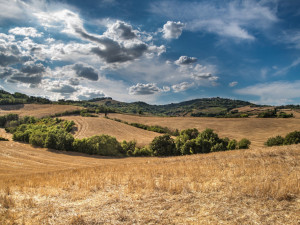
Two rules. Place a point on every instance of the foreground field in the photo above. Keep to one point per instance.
(37, 110)
(89, 126)
(257, 130)
(258, 186)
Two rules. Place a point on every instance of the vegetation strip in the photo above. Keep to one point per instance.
(154, 128)
(55, 134)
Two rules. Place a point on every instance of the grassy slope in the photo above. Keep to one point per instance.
(258, 186)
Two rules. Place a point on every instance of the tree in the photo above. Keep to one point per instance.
(163, 146)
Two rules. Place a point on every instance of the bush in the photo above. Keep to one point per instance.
(292, 138)
(244, 144)
(128, 148)
(7, 118)
(275, 141)
(163, 146)
(142, 152)
(232, 144)
(100, 145)
(3, 139)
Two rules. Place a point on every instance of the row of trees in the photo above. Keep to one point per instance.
(289, 139)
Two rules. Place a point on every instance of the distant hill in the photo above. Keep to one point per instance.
(213, 107)
(7, 98)
(197, 107)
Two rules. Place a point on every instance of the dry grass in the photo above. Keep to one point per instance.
(89, 126)
(257, 130)
(258, 186)
(37, 110)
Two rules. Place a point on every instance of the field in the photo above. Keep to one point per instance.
(89, 126)
(257, 130)
(256, 186)
(36, 110)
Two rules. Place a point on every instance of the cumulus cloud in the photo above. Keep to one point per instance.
(274, 93)
(185, 60)
(233, 19)
(233, 83)
(121, 30)
(85, 71)
(172, 30)
(25, 31)
(182, 86)
(119, 44)
(144, 89)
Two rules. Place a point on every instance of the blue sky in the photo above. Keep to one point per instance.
(153, 51)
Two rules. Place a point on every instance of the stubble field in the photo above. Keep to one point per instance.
(256, 186)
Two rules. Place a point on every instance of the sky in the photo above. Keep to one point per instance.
(156, 51)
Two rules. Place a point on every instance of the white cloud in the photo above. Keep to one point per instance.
(172, 30)
(185, 60)
(182, 86)
(26, 31)
(233, 84)
(274, 93)
(233, 19)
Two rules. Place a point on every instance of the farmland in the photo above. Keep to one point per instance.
(256, 186)
(36, 110)
(245, 186)
(257, 130)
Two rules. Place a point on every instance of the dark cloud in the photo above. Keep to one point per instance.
(74, 81)
(6, 72)
(33, 69)
(25, 78)
(87, 72)
(112, 51)
(144, 89)
(63, 89)
(6, 60)
(185, 60)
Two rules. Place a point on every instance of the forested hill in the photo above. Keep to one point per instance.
(7, 98)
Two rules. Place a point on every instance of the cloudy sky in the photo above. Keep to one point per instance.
(154, 51)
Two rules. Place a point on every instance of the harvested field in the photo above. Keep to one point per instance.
(89, 126)
(258, 186)
(37, 110)
(257, 130)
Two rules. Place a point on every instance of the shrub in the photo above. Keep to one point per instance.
(273, 141)
(128, 148)
(163, 146)
(142, 152)
(232, 144)
(292, 138)
(244, 144)
(3, 139)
